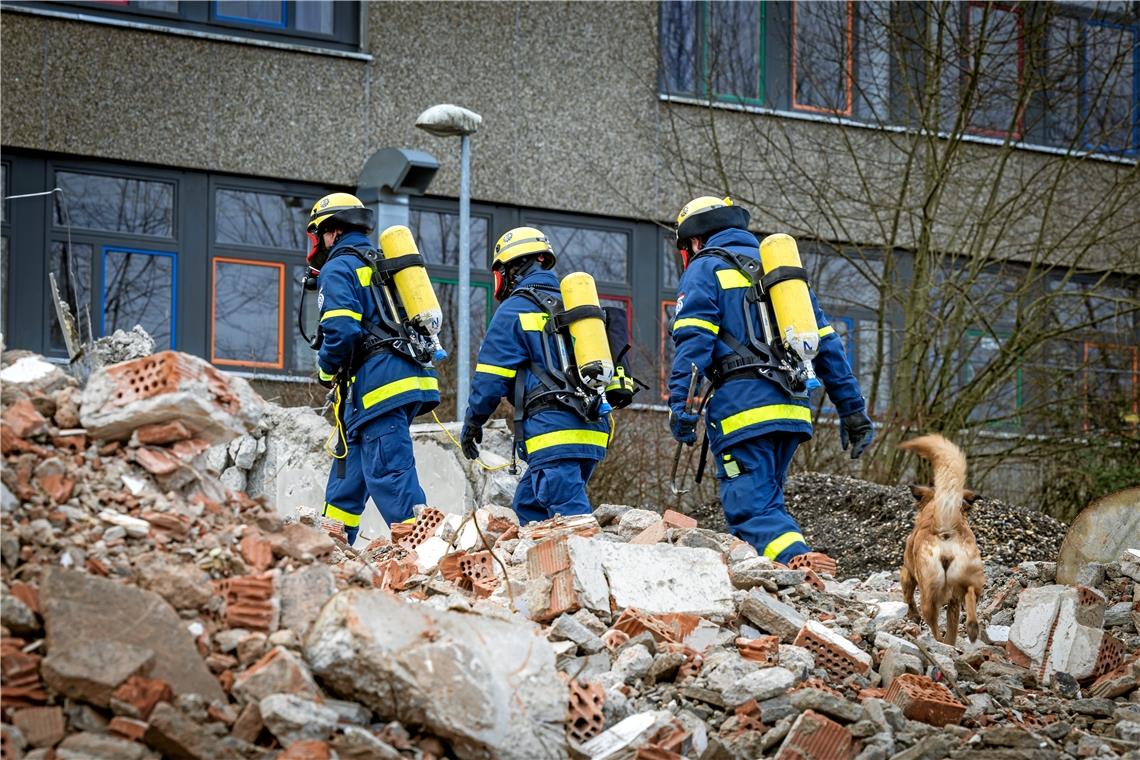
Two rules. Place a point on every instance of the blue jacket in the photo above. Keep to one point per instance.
(514, 340)
(385, 381)
(710, 303)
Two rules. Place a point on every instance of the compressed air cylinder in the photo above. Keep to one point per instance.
(591, 348)
(412, 284)
(791, 303)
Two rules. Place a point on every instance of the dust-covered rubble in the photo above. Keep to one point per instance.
(150, 611)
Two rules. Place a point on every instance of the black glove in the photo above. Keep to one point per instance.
(855, 429)
(469, 437)
(683, 425)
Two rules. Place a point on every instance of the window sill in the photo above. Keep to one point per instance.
(849, 122)
(180, 32)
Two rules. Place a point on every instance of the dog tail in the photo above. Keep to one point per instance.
(949, 465)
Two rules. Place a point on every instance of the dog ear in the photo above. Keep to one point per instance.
(922, 493)
(969, 497)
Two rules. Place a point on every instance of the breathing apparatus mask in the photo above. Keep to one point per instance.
(507, 275)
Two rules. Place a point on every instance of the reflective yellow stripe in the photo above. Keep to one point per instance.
(732, 278)
(693, 322)
(364, 274)
(384, 392)
(340, 313)
(566, 438)
(350, 520)
(825, 331)
(325, 375)
(491, 369)
(409, 521)
(773, 549)
(533, 321)
(767, 413)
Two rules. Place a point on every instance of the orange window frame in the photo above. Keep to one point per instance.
(848, 69)
(1121, 348)
(628, 301)
(280, 267)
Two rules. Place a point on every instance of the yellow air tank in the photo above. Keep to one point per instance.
(591, 348)
(795, 317)
(412, 284)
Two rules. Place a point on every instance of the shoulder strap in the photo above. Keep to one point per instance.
(747, 265)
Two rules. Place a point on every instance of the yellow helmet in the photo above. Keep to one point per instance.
(519, 242)
(707, 214)
(345, 208)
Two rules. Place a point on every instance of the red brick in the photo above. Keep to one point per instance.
(1110, 657)
(817, 737)
(613, 639)
(188, 449)
(830, 656)
(924, 700)
(256, 550)
(51, 476)
(129, 728)
(394, 573)
(425, 527)
(178, 525)
(26, 594)
(1117, 682)
(156, 461)
(142, 694)
(654, 534)
(400, 531)
(748, 717)
(449, 567)
(872, 692)
(817, 562)
(41, 726)
(306, 749)
(248, 602)
(22, 419)
(765, 649)
(674, 519)
(584, 718)
(551, 559)
(75, 442)
(162, 433)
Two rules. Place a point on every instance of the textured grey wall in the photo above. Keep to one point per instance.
(572, 121)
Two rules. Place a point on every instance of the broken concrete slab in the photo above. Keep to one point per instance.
(771, 615)
(90, 671)
(291, 718)
(99, 746)
(165, 387)
(486, 686)
(1059, 629)
(280, 671)
(176, 735)
(79, 608)
(303, 593)
(1102, 531)
(655, 579)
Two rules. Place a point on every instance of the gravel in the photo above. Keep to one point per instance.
(864, 525)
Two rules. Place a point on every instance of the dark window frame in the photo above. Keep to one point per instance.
(701, 74)
(1083, 112)
(540, 218)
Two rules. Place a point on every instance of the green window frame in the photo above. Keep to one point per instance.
(703, 29)
(973, 338)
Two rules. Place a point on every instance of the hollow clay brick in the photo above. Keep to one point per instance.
(425, 527)
(764, 650)
(924, 700)
(816, 737)
(830, 655)
(816, 562)
(584, 718)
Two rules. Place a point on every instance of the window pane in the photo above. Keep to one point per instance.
(843, 282)
(138, 288)
(678, 46)
(1110, 82)
(1110, 386)
(872, 60)
(437, 234)
(665, 317)
(448, 295)
(265, 220)
(117, 204)
(247, 313)
(304, 357)
(4, 285)
(600, 253)
(670, 264)
(1086, 306)
(998, 32)
(998, 407)
(162, 6)
(315, 16)
(75, 291)
(822, 55)
(734, 62)
(867, 360)
(267, 12)
(1063, 66)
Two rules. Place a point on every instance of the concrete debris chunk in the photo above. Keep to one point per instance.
(174, 734)
(772, 616)
(166, 387)
(90, 671)
(486, 686)
(292, 718)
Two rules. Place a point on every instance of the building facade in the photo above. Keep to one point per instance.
(189, 139)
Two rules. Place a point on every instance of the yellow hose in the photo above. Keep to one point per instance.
(459, 446)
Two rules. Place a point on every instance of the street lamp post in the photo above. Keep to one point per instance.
(446, 120)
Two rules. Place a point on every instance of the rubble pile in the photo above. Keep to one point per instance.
(149, 611)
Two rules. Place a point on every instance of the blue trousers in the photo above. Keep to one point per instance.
(751, 477)
(553, 487)
(379, 464)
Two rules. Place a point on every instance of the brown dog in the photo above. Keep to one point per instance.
(941, 557)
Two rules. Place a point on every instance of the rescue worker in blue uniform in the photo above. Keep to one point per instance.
(560, 445)
(753, 424)
(379, 388)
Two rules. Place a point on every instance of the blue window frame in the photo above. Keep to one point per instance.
(140, 287)
(268, 13)
(1115, 113)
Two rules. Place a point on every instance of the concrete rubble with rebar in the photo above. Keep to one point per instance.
(151, 607)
